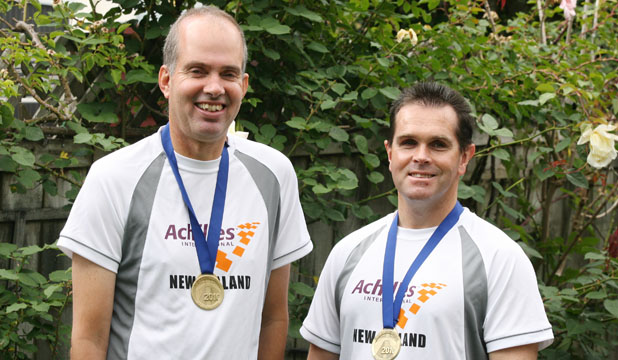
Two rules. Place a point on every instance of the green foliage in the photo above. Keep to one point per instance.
(32, 304)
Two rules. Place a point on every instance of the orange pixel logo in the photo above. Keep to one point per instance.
(246, 234)
(428, 291)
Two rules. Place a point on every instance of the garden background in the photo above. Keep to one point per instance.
(542, 80)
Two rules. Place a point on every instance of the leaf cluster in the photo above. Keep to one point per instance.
(31, 304)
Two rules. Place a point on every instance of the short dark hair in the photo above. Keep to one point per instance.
(433, 94)
(170, 47)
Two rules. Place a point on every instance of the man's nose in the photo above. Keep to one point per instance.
(214, 86)
(421, 154)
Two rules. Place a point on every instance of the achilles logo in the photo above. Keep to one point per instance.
(184, 232)
(375, 288)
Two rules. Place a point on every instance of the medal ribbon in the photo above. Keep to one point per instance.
(206, 247)
(390, 310)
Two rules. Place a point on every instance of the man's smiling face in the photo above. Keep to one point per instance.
(425, 158)
(206, 89)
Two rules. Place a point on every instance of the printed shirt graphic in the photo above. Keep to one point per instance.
(432, 322)
(154, 313)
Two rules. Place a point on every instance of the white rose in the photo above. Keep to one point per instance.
(232, 131)
(602, 144)
(407, 34)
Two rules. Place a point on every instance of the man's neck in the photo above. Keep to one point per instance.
(197, 150)
(418, 214)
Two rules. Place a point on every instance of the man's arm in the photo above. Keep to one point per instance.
(93, 300)
(274, 331)
(317, 353)
(523, 352)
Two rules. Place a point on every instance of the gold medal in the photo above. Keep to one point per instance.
(207, 291)
(386, 345)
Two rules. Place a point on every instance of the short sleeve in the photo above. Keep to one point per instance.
(95, 224)
(293, 240)
(515, 311)
(321, 327)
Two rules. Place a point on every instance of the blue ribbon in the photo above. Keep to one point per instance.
(206, 247)
(390, 310)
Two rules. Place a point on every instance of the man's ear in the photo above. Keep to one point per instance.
(164, 80)
(466, 156)
(245, 84)
(387, 146)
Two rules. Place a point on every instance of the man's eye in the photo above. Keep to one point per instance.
(440, 145)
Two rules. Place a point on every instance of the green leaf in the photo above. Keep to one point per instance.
(94, 41)
(8, 274)
(42, 307)
(33, 133)
(6, 249)
(351, 96)
(504, 193)
(31, 250)
(328, 104)
(372, 160)
(28, 178)
(504, 132)
(501, 154)
(338, 134)
(22, 156)
(122, 28)
(297, 123)
(320, 189)
(339, 88)
(361, 144)
(563, 144)
(529, 102)
(116, 76)
(50, 290)
(306, 13)
(15, 307)
(271, 54)
(6, 114)
(302, 289)
(82, 138)
(140, 76)
(272, 26)
(333, 214)
(368, 93)
(375, 177)
(50, 187)
(98, 112)
(489, 121)
(546, 97)
(464, 191)
(530, 251)
(594, 256)
(546, 88)
(597, 295)
(578, 179)
(7, 164)
(317, 47)
(390, 92)
(60, 275)
(611, 306)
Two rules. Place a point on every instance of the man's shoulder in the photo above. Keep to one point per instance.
(487, 236)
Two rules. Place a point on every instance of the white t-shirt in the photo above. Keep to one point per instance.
(475, 293)
(129, 217)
